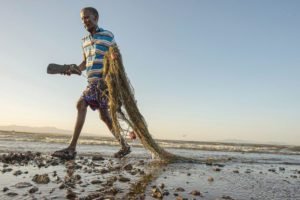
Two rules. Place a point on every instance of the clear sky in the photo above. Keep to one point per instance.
(202, 70)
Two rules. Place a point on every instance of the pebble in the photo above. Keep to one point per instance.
(7, 170)
(62, 186)
(104, 171)
(11, 194)
(162, 186)
(97, 158)
(156, 193)
(179, 189)
(216, 169)
(166, 193)
(123, 179)
(272, 170)
(52, 190)
(23, 185)
(128, 167)
(5, 189)
(77, 177)
(71, 195)
(41, 179)
(227, 197)
(17, 173)
(210, 179)
(33, 190)
(96, 182)
(195, 193)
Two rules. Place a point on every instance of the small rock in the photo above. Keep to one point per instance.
(195, 193)
(128, 167)
(11, 194)
(41, 179)
(123, 179)
(97, 158)
(179, 189)
(23, 185)
(7, 170)
(62, 186)
(104, 171)
(236, 171)
(52, 190)
(157, 195)
(141, 162)
(155, 189)
(33, 190)
(227, 197)
(210, 179)
(166, 193)
(281, 168)
(17, 173)
(142, 172)
(5, 189)
(71, 195)
(162, 186)
(216, 169)
(77, 177)
(96, 182)
(272, 170)
(188, 174)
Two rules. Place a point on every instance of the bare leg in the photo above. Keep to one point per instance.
(81, 114)
(104, 115)
(69, 152)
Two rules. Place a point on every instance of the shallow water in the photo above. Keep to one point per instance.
(254, 180)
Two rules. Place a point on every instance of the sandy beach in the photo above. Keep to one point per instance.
(28, 171)
(32, 175)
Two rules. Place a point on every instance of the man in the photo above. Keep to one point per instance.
(95, 45)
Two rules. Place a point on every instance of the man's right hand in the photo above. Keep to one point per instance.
(72, 69)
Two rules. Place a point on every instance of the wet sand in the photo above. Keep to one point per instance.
(34, 175)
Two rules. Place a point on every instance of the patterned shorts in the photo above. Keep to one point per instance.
(95, 95)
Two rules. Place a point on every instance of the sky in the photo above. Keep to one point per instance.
(202, 70)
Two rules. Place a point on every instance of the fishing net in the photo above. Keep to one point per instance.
(123, 106)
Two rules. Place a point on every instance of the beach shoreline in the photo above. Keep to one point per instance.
(104, 177)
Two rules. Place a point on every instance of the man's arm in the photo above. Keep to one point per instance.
(82, 65)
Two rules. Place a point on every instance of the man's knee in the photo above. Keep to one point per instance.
(81, 105)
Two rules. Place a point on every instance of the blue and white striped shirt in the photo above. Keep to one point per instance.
(94, 49)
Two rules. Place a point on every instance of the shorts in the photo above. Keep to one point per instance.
(95, 95)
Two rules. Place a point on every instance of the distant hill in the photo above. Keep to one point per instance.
(45, 129)
(250, 142)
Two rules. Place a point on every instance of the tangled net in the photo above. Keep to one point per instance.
(123, 107)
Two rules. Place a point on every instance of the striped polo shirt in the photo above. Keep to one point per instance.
(94, 48)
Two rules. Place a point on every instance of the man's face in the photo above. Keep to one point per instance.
(89, 20)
